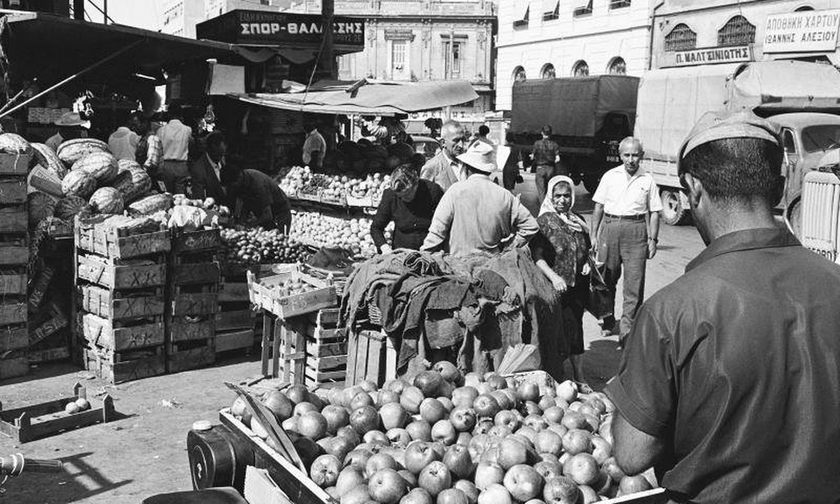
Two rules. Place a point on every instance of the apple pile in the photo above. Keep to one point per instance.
(260, 246)
(445, 438)
(303, 180)
(325, 231)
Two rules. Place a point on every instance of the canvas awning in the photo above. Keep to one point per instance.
(367, 98)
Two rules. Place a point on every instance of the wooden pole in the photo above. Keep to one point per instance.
(79, 9)
(327, 62)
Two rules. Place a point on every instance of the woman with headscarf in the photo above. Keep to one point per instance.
(561, 251)
(410, 203)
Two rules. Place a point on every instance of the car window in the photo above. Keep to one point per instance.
(820, 137)
(788, 140)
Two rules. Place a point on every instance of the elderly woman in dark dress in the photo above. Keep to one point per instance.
(561, 251)
(410, 203)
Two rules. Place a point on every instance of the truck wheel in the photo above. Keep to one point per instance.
(674, 212)
(591, 181)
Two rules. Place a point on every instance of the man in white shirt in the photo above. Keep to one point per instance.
(123, 143)
(444, 169)
(175, 138)
(314, 148)
(625, 230)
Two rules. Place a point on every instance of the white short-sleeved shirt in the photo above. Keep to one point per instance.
(624, 195)
(175, 139)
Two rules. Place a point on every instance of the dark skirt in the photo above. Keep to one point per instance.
(572, 305)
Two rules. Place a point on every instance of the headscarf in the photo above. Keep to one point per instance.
(403, 177)
(570, 218)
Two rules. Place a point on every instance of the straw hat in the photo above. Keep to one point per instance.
(481, 156)
(72, 119)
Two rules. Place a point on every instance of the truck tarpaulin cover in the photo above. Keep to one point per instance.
(781, 86)
(573, 107)
(385, 99)
(672, 99)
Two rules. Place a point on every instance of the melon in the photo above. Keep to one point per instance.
(47, 158)
(78, 183)
(41, 206)
(12, 143)
(125, 164)
(107, 200)
(151, 204)
(69, 206)
(72, 150)
(102, 166)
(133, 183)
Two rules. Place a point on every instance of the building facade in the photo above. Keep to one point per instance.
(553, 38)
(696, 32)
(422, 40)
(214, 8)
(181, 16)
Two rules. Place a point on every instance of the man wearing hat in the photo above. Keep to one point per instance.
(728, 385)
(70, 126)
(477, 214)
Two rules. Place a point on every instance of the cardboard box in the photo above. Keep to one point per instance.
(261, 489)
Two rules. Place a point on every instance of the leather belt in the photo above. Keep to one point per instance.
(636, 217)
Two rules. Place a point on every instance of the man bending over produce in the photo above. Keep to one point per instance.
(260, 196)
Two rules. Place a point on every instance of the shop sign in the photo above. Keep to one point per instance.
(708, 56)
(399, 34)
(279, 28)
(804, 31)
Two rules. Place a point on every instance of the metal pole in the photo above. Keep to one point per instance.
(327, 63)
(79, 9)
(74, 76)
(105, 11)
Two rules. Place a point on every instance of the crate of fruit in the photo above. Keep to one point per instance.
(121, 237)
(205, 240)
(289, 295)
(115, 274)
(15, 164)
(47, 418)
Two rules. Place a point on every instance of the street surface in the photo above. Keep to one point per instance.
(144, 452)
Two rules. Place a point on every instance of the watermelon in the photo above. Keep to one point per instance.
(102, 166)
(78, 183)
(107, 200)
(72, 150)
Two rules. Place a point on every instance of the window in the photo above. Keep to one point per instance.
(617, 66)
(803, 8)
(820, 138)
(680, 38)
(548, 71)
(519, 74)
(789, 142)
(551, 10)
(452, 52)
(399, 60)
(736, 32)
(582, 7)
(523, 21)
(619, 4)
(580, 69)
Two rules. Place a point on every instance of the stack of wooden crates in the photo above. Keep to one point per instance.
(14, 256)
(120, 282)
(193, 299)
(236, 321)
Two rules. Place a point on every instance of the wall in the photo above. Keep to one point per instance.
(707, 17)
(179, 17)
(597, 36)
(214, 8)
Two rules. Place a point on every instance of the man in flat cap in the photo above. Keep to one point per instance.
(70, 126)
(728, 385)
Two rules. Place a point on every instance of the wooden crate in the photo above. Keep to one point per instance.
(266, 294)
(189, 304)
(117, 305)
(12, 312)
(14, 219)
(15, 164)
(14, 252)
(119, 337)
(117, 274)
(236, 339)
(48, 355)
(14, 364)
(13, 191)
(39, 288)
(371, 356)
(189, 273)
(186, 355)
(13, 338)
(120, 367)
(48, 418)
(195, 241)
(185, 329)
(57, 321)
(108, 242)
(13, 283)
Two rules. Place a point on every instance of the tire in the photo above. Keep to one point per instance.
(673, 211)
(591, 181)
(793, 216)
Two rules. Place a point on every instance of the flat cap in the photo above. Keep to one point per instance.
(721, 125)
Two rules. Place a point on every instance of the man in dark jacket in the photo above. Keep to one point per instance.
(260, 196)
(206, 170)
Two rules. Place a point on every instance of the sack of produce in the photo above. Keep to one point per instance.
(47, 158)
(151, 204)
(78, 183)
(101, 165)
(12, 143)
(73, 150)
(69, 206)
(107, 200)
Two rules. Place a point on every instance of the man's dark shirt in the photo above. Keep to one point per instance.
(545, 152)
(411, 218)
(736, 365)
(259, 191)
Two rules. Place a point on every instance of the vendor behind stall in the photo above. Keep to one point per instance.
(477, 214)
(260, 196)
(410, 203)
(70, 126)
(205, 171)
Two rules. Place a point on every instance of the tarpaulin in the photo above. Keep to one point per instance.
(381, 98)
(785, 86)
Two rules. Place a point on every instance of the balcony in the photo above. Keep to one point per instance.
(619, 4)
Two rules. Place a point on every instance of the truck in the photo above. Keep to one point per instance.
(589, 116)
(813, 216)
(802, 98)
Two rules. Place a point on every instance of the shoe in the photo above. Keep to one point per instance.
(607, 326)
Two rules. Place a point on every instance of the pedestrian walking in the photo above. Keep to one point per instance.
(123, 142)
(728, 385)
(625, 231)
(561, 251)
(546, 154)
(176, 139)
